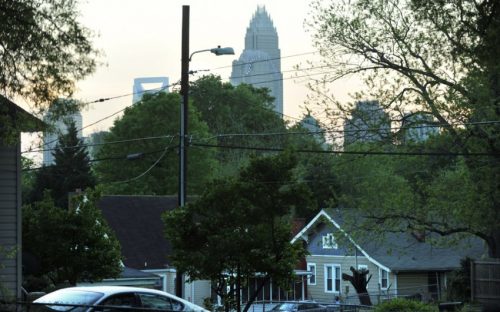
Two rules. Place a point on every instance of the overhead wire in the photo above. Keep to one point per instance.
(316, 151)
(151, 91)
(147, 170)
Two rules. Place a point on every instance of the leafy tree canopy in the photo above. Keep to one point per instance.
(72, 245)
(241, 227)
(150, 128)
(44, 49)
(438, 58)
(240, 117)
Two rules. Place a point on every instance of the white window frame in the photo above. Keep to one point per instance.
(380, 272)
(333, 267)
(313, 271)
(329, 242)
(362, 266)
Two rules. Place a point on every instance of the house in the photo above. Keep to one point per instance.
(402, 264)
(137, 223)
(129, 277)
(13, 121)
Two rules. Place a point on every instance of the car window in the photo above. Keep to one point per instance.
(176, 305)
(158, 302)
(127, 300)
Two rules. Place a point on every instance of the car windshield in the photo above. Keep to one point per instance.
(67, 298)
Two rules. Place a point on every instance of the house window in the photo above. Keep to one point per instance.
(384, 279)
(329, 241)
(362, 267)
(332, 278)
(311, 280)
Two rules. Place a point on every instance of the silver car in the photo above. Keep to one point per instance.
(112, 299)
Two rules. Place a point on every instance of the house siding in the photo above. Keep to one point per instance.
(417, 283)
(10, 222)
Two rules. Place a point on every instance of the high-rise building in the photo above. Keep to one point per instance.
(368, 123)
(58, 127)
(259, 64)
(312, 125)
(139, 90)
(418, 127)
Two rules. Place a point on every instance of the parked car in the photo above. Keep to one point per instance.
(111, 299)
(299, 306)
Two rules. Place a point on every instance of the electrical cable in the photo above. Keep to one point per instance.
(103, 143)
(147, 170)
(269, 149)
(156, 91)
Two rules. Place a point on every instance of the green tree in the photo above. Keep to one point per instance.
(70, 172)
(44, 49)
(240, 227)
(239, 116)
(433, 57)
(150, 128)
(72, 245)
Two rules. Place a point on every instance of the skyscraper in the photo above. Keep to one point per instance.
(58, 127)
(139, 89)
(368, 123)
(259, 64)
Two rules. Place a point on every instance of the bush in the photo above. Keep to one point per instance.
(404, 305)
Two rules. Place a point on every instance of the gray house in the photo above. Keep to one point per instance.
(402, 264)
(13, 121)
(136, 221)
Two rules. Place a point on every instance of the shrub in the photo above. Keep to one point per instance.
(404, 305)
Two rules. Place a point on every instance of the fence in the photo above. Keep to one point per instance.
(485, 282)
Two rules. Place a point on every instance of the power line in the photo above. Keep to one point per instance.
(147, 170)
(103, 143)
(156, 91)
(266, 60)
(344, 131)
(121, 157)
(269, 149)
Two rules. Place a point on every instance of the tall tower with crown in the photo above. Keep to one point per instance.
(259, 64)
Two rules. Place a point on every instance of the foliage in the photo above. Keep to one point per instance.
(28, 177)
(240, 227)
(459, 282)
(72, 245)
(437, 58)
(6, 253)
(235, 114)
(404, 305)
(150, 127)
(44, 49)
(70, 172)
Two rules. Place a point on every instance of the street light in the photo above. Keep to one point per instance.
(217, 51)
(185, 59)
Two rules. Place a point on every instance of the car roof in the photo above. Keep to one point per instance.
(110, 290)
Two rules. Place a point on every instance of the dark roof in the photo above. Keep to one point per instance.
(133, 273)
(137, 223)
(403, 252)
(18, 118)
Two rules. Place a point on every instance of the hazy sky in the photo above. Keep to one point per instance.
(143, 38)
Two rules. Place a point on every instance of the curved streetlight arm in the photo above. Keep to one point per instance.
(216, 51)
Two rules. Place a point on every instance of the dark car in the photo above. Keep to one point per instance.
(299, 306)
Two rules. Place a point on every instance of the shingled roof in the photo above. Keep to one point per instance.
(403, 252)
(136, 221)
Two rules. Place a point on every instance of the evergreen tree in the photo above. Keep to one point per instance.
(71, 170)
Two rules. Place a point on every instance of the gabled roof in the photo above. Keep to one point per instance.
(402, 251)
(137, 223)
